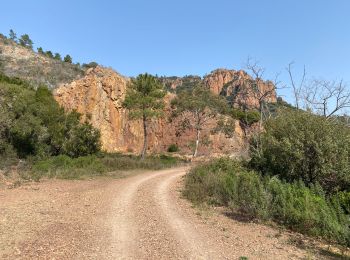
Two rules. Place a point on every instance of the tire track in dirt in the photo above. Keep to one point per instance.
(163, 232)
(126, 212)
(191, 242)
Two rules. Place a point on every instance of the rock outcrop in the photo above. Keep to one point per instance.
(99, 96)
(240, 88)
(237, 86)
(217, 80)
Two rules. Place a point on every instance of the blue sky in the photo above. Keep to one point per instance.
(190, 37)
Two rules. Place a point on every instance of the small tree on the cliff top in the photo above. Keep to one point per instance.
(67, 58)
(144, 99)
(13, 35)
(197, 107)
(25, 41)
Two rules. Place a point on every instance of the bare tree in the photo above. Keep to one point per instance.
(260, 93)
(297, 88)
(195, 108)
(327, 97)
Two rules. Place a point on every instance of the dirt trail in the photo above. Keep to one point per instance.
(138, 217)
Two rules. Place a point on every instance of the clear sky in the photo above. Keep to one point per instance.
(183, 37)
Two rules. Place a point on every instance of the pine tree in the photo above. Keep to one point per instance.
(68, 59)
(49, 54)
(13, 35)
(40, 50)
(25, 41)
(57, 56)
(144, 99)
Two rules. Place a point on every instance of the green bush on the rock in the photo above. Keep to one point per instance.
(173, 148)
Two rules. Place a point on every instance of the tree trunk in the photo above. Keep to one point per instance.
(145, 138)
(261, 115)
(197, 143)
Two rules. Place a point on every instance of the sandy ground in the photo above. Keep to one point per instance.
(138, 217)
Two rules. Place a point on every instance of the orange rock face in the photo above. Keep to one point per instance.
(238, 87)
(217, 79)
(99, 97)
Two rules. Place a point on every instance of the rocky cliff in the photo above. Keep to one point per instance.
(236, 86)
(240, 88)
(99, 96)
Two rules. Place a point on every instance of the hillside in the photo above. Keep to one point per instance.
(98, 94)
(22, 62)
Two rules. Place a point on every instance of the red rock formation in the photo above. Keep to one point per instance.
(99, 96)
(238, 85)
(216, 80)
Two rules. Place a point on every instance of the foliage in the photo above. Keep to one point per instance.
(33, 124)
(144, 99)
(89, 65)
(299, 145)
(40, 50)
(173, 148)
(13, 80)
(186, 83)
(67, 59)
(226, 124)
(342, 199)
(304, 209)
(273, 108)
(83, 140)
(247, 118)
(200, 100)
(63, 166)
(25, 41)
(195, 108)
(49, 54)
(12, 35)
(57, 56)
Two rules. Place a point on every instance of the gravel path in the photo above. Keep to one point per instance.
(138, 217)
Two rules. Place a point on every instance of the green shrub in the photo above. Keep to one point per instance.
(249, 196)
(83, 140)
(211, 181)
(343, 200)
(33, 123)
(305, 209)
(173, 148)
(92, 64)
(246, 117)
(299, 145)
(63, 166)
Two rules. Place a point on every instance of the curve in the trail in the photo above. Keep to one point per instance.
(124, 223)
(190, 241)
